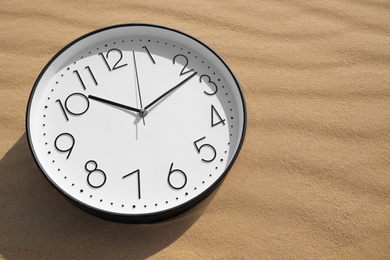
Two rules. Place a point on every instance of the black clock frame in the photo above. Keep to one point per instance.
(150, 217)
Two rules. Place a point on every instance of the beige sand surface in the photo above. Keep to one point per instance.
(313, 178)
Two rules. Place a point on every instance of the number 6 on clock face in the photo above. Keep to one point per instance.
(136, 122)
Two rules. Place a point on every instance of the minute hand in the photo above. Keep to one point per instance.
(169, 91)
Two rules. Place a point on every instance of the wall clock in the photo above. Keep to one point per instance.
(136, 122)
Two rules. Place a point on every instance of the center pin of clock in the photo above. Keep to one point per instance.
(143, 112)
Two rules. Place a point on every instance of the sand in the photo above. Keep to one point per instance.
(312, 180)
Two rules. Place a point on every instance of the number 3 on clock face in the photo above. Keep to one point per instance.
(136, 122)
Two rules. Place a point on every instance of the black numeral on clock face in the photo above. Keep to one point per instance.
(119, 58)
(182, 72)
(177, 179)
(96, 178)
(138, 180)
(62, 144)
(208, 147)
(81, 80)
(150, 55)
(218, 120)
(75, 104)
(210, 83)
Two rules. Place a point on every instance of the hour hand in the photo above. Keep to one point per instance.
(114, 103)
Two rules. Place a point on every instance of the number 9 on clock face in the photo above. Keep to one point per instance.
(136, 122)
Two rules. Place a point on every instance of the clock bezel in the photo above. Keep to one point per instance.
(148, 217)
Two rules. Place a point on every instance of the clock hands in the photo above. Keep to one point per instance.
(170, 91)
(114, 103)
(142, 110)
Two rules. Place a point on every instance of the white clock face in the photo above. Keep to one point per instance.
(136, 121)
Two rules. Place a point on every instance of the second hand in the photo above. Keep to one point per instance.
(143, 112)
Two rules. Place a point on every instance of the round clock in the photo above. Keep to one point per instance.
(136, 122)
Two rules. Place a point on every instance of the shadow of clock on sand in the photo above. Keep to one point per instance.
(37, 222)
